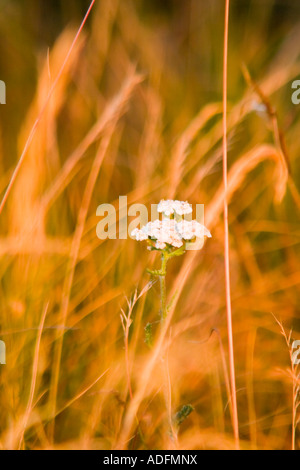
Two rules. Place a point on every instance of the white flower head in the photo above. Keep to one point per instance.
(139, 235)
(161, 232)
(171, 232)
(160, 245)
(188, 230)
(169, 207)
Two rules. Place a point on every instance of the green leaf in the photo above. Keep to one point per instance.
(148, 335)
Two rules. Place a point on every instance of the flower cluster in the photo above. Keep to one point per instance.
(189, 230)
(169, 232)
(163, 232)
(170, 207)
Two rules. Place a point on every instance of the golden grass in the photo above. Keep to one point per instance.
(124, 119)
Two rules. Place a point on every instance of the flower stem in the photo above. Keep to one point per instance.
(163, 293)
(166, 254)
(164, 362)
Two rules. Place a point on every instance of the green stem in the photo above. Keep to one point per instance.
(163, 315)
(165, 256)
(161, 273)
(163, 293)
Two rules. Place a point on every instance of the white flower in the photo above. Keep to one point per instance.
(169, 234)
(139, 235)
(163, 232)
(160, 245)
(169, 207)
(170, 231)
(191, 229)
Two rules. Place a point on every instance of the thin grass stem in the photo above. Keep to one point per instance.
(226, 235)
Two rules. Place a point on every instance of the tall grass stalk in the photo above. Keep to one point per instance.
(226, 233)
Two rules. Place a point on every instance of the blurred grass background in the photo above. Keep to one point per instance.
(141, 97)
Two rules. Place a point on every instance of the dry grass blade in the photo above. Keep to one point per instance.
(128, 87)
(36, 123)
(226, 236)
(294, 374)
